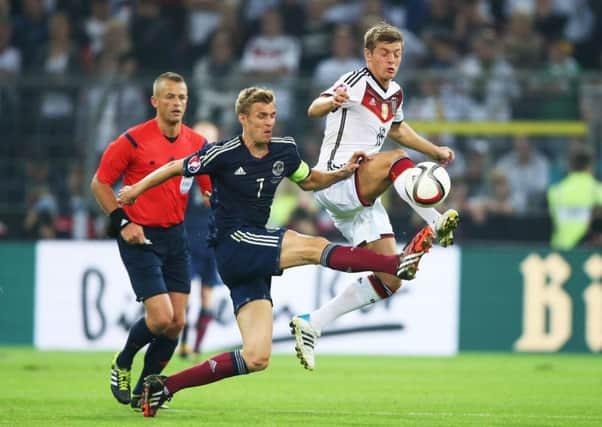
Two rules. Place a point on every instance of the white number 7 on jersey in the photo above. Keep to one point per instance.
(260, 181)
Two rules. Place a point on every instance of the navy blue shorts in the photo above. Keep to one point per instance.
(247, 259)
(202, 263)
(160, 267)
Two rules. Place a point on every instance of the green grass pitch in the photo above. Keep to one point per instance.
(72, 389)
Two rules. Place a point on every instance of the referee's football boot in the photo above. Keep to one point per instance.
(136, 402)
(120, 382)
(412, 253)
(444, 229)
(154, 394)
(305, 340)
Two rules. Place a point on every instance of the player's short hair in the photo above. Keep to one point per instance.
(382, 32)
(250, 96)
(169, 75)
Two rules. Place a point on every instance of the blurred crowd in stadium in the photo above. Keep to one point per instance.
(74, 74)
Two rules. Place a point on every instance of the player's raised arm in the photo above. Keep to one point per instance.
(318, 180)
(324, 104)
(129, 193)
(403, 134)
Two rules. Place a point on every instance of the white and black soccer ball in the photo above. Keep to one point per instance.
(427, 184)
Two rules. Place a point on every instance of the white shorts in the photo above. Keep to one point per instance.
(357, 222)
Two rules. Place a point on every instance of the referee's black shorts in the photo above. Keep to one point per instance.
(158, 267)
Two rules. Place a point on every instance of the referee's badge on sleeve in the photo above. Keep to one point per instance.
(185, 184)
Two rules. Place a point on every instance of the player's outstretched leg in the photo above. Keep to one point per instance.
(120, 382)
(413, 252)
(445, 226)
(306, 335)
(154, 394)
(305, 340)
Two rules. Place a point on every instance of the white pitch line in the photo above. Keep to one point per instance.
(504, 415)
(439, 414)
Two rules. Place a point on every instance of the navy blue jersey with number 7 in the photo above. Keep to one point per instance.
(244, 185)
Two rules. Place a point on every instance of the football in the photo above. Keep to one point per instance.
(427, 184)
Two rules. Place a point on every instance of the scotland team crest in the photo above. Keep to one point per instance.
(278, 168)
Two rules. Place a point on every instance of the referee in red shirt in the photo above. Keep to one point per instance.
(151, 236)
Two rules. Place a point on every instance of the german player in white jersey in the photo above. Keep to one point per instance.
(362, 120)
(362, 108)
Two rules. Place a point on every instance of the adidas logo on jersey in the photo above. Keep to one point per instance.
(240, 171)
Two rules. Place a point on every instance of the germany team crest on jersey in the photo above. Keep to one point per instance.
(384, 109)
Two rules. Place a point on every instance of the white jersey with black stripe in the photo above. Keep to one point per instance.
(363, 122)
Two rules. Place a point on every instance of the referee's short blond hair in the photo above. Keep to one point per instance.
(382, 32)
(250, 96)
(169, 75)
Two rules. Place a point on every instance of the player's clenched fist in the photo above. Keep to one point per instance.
(340, 97)
(444, 155)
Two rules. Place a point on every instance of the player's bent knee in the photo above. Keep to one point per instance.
(177, 325)
(159, 323)
(320, 243)
(398, 152)
(304, 249)
(314, 251)
(394, 155)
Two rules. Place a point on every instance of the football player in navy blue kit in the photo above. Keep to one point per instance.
(245, 171)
